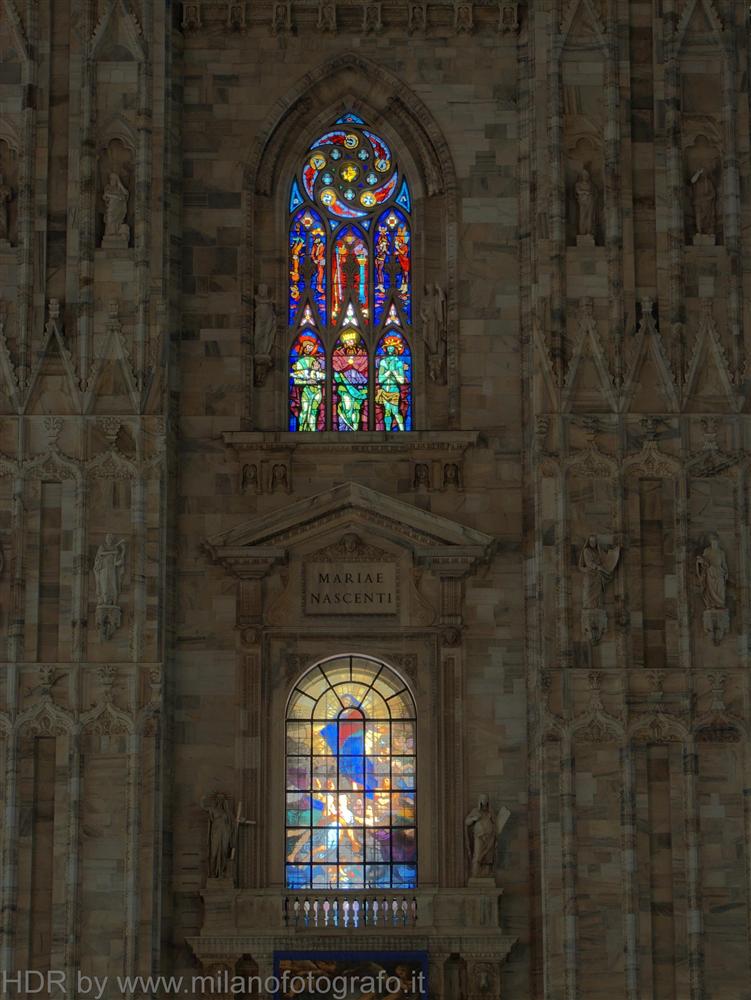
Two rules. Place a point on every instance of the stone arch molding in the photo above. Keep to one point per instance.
(349, 82)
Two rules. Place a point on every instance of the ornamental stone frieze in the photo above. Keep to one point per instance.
(351, 16)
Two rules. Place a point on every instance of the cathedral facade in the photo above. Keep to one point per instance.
(374, 492)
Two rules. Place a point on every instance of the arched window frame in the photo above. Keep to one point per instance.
(326, 676)
(371, 332)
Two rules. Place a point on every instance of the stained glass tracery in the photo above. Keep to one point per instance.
(351, 779)
(350, 266)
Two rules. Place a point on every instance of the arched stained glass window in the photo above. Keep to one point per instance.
(351, 779)
(350, 282)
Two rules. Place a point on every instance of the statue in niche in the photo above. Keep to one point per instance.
(109, 566)
(236, 17)
(191, 16)
(433, 319)
(279, 478)
(250, 482)
(326, 16)
(422, 477)
(451, 476)
(115, 196)
(416, 17)
(6, 194)
(704, 199)
(264, 333)
(585, 200)
(712, 571)
(509, 17)
(482, 828)
(597, 566)
(223, 829)
(109, 569)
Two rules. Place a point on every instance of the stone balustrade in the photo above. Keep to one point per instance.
(358, 911)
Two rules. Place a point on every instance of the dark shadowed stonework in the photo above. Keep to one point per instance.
(560, 544)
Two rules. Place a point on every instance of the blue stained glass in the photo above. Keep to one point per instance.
(350, 278)
(403, 197)
(348, 829)
(307, 245)
(392, 262)
(307, 383)
(295, 198)
(382, 151)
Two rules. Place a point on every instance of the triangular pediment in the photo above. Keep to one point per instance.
(433, 540)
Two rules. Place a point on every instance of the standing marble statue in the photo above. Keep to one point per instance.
(264, 333)
(223, 827)
(5, 196)
(221, 833)
(703, 199)
(598, 567)
(585, 200)
(115, 198)
(433, 318)
(109, 569)
(109, 566)
(482, 828)
(712, 570)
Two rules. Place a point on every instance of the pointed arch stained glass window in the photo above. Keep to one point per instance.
(351, 779)
(350, 284)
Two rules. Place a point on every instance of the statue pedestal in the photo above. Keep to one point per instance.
(108, 620)
(261, 367)
(484, 882)
(585, 241)
(716, 623)
(117, 241)
(219, 905)
(705, 239)
(594, 624)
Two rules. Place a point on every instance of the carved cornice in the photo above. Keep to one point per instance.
(245, 562)
(347, 17)
(364, 442)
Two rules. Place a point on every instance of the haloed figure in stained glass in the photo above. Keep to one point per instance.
(307, 377)
(350, 274)
(350, 361)
(392, 375)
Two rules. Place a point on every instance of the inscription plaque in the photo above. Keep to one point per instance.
(351, 588)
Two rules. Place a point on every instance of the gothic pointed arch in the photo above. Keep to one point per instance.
(380, 242)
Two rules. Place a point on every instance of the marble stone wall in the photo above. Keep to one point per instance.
(574, 606)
